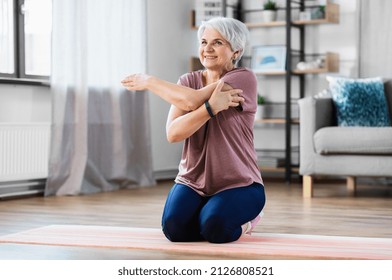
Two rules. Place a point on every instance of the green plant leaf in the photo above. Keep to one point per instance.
(270, 5)
(260, 100)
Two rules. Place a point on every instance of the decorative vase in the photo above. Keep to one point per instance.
(269, 15)
(259, 112)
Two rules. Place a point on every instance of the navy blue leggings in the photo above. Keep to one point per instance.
(188, 216)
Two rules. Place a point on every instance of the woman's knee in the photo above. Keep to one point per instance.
(178, 230)
(215, 229)
(172, 228)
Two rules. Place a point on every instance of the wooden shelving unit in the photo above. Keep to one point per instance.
(332, 15)
(272, 73)
(331, 64)
(265, 24)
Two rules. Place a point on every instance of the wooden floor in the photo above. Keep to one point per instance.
(330, 212)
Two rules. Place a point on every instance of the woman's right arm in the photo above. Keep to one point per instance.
(184, 98)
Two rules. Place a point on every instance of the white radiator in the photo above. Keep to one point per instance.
(24, 151)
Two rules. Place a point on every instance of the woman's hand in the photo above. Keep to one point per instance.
(222, 100)
(136, 82)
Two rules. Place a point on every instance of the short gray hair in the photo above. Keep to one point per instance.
(233, 30)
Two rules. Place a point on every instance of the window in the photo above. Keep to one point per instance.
(25, 38)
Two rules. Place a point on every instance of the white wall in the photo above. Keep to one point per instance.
(171, 43)
(24, 104)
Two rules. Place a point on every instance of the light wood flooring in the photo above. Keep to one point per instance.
(331, 212)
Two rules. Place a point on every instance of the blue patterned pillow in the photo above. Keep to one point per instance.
(359, 102)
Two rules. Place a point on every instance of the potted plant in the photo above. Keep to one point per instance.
(319, 12)
(270, 10)
(260, 107)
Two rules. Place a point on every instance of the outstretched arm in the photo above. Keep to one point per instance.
(184, 98)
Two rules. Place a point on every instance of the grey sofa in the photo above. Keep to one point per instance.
(326, 149)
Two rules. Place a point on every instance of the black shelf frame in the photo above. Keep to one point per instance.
(289, 74)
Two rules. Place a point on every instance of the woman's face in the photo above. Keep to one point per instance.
(215, 52)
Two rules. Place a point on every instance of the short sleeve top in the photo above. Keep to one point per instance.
(221, 154)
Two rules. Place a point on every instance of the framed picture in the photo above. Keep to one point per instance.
(269, 58)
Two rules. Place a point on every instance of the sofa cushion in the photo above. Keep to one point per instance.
(354, 140)
(359, 102)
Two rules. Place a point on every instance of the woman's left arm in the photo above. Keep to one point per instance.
(181, 124)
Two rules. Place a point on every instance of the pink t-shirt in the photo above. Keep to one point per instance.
(221, 154)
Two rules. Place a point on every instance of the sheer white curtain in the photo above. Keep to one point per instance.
(375, 44)
(100, 132)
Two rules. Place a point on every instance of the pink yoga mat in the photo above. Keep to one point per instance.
(258, 245)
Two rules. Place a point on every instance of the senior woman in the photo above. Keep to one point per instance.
(218, 193)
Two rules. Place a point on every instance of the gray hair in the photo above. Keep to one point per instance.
(233, 30)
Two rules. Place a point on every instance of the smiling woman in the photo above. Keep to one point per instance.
(215, 52)
(218, 193)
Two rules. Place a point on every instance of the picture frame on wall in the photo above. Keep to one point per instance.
(271, 58)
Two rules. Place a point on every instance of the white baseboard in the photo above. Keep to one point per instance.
(21, 188)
